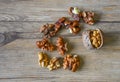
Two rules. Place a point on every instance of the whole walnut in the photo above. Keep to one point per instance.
(92, 39)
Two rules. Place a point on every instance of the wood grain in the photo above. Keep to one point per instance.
(99, 65)
(35, 26)
(20, 21)
(51, 10)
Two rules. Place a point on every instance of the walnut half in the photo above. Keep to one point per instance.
(61, 46)
(45, 44)
(92, 39)
(71, 62)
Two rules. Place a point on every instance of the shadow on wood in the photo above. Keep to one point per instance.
(7, 37)
(110, 38)
(97, 17)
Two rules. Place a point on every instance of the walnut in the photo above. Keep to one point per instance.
(43, 59)
(67, 22)
(75, 13)
(71, 62)
(61, 46)
(45, 44)
(54, 64)
(73, 26)
(60, 23)
(88, 17)
(92, 39)
(48, 30)
(62, 20)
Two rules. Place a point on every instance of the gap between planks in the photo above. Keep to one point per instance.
(54, 21)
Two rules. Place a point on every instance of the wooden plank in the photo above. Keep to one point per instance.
(51, 10)
(35, 27)
(30, 30)
(20, 20)
(18, 62)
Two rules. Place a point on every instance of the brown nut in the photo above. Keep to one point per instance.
(54, 64)
(71, 62)
(40, 55)
(88, 17)
(75, 13)
(45, 44)
(61, 46)
(92, 39)
(43, 59)
(50, 30)
(62, 20)
(74, 27)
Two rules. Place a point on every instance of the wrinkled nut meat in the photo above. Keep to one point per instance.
(54, 64)
(60, 22)
(43, 59)
(88, 17)
(45, 44)
(50, 30)
(73, 26)
(61, 46)
(75, 13)
(71, 62)
(92, 39)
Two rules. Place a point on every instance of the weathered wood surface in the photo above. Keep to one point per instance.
(23, 18)
(51, 10)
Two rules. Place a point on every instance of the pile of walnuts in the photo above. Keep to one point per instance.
(87, 16)
(71, 62)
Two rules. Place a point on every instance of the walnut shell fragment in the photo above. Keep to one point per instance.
(92, 39)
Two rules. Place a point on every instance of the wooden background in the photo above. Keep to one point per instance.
(20, 20)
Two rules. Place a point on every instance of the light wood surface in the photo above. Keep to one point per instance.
(20, 21)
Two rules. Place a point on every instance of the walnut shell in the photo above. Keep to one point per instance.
(87, 41)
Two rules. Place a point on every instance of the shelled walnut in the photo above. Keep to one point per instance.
(61, 46)
(73, 26)
(50, 30)
(88, 17)
(71, 62)
(54, 64)
(43, 59)
(75, 13)
(60, 22)
(92, 39)
(45, 44)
